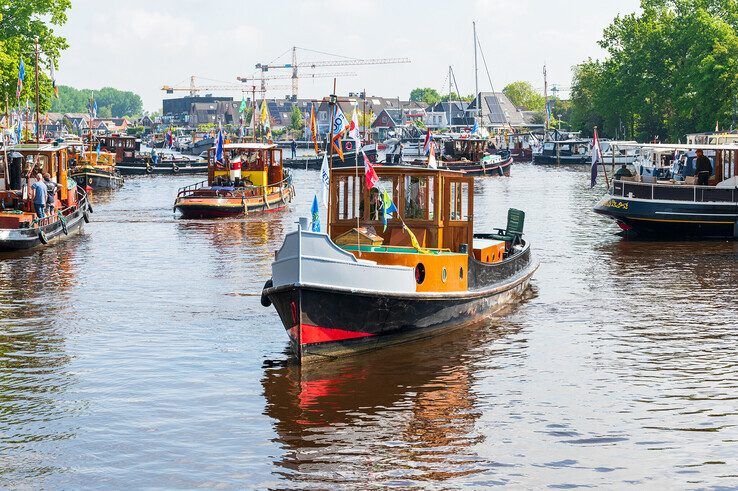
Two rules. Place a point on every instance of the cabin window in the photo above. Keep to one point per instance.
(459, 201)
(349, 196)
(376, 207)
(418, 197)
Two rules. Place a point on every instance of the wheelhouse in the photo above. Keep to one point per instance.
(246, 164)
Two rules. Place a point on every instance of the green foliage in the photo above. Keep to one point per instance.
(671, 70)
(297, 121)
(427, 95)
(522, 94)
(20, 22)
(456, 97)
(110, 102)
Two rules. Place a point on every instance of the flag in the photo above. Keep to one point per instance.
(219, 146)
(414, 240)
(314, 128)
(315, 223)
(53, 79)
(170, 138)
(388, 207)
(428, 142)
(432, 157)
(265, 119)
(369, 173)
(475, 128)
(243, 106)
(339, 128)
(21, 76)
(596, 157)
(353, 131)
(325, 178)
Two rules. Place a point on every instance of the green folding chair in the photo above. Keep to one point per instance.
(514, 232)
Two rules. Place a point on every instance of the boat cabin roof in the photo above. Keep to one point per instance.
(249, 146)
(678, 146)
(43, 147)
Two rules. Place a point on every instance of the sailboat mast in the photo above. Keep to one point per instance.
(476, 73)
(545, 98)
(449, 97)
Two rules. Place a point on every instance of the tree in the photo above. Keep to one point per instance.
(20, 23)
(670, 70)
(110, 102)
(522, 94)
(297, 122)
(426, 95)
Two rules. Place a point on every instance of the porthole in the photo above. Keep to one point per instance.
(419, 273)
(443, 275)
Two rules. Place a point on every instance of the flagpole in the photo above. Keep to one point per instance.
(38, 121)
(332, 104)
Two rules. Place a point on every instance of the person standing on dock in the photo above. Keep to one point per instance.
(703, 168)
(39, 195)
(293, 147)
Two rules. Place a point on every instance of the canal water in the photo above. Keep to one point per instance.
(137, 354)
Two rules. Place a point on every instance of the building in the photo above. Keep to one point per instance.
(497, 112)
(177, 109)
(452, 115)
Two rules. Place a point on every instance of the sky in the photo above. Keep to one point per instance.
(141, 45)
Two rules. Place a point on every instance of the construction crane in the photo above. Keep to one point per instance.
(264, 67)
(194, 88)
(263, 78)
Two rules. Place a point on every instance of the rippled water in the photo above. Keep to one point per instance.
(137, 355)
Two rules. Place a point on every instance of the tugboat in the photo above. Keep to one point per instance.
(247, 177)
(665, 202)
(19, 226)
(95, 169)
(384, 273)
(132, 159)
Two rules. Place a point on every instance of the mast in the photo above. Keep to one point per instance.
(448, 119)
(332, 108)
(545, 98)
(38, 120)
(476, 73)
(253, 111)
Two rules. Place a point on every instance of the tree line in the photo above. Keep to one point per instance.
(670, 70)
(110, 102)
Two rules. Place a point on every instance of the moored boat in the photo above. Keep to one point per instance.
(95, 169)
(20, 227)
(360, 286)
(670, 204)
(132, 159)
(247, 178)
(475, 157)
(563, 152)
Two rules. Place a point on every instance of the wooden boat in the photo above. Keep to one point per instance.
(669, 205)
(473, 156)
(314, 162)
(360, 287)
(19, 226)
(249, 179)
(131, 159)
(96, 170)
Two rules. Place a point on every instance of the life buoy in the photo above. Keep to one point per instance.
(175, 168)
(149, 169)
(265, 302)
(349, 146)
(89, 181)
(42, 237)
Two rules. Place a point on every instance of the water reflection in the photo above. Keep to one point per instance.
(32, 346)
(404, 414)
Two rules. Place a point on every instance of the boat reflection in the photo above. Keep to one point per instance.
(33, 357)
(403, 413)
(236, 233)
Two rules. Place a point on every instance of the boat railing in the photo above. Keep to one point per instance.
(187, 190)
(674, 192)
(64, 212)
(249, 191)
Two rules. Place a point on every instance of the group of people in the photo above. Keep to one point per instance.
(43, 192)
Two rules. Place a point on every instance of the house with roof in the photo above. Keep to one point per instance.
(497, 112)
(78, 122)
(453, 115)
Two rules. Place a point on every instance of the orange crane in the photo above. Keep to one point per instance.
(264, 67)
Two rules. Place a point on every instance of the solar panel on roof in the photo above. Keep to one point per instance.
(496, 114)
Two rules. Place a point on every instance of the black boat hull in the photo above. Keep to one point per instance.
(561, 160)
(314, 163)
(324, 323)
(477, 169)
(671, 219)
(167, 168)
(29, 238)
(98, 180)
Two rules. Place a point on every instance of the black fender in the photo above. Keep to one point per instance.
(42, 237)
(265, 302)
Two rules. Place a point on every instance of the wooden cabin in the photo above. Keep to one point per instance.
(437, 206)
(257, 164)
(471, 149)
(123, 146)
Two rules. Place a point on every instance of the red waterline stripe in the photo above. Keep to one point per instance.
(315, 334)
